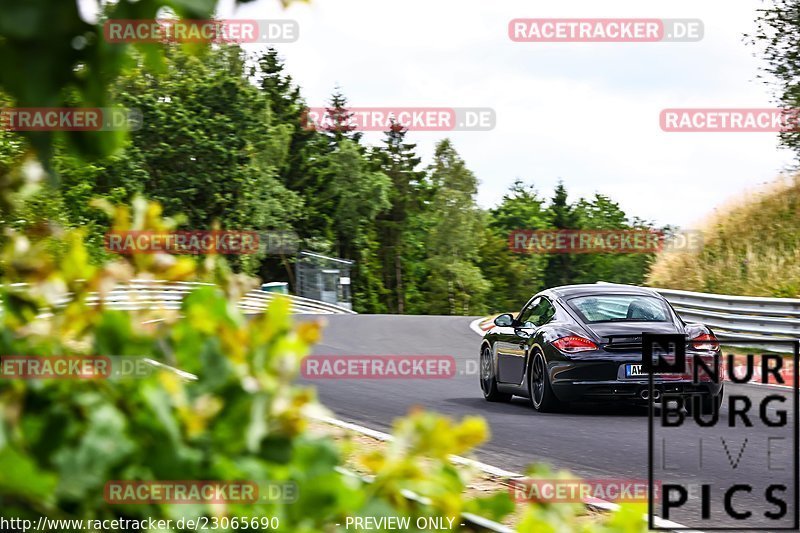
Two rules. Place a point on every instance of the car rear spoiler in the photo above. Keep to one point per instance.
(612, 337)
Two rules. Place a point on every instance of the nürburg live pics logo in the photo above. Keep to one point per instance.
(729, 462)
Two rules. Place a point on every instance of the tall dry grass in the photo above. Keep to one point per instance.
(751, 247)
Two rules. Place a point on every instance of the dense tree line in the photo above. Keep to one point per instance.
(224, 142)
(777, 35)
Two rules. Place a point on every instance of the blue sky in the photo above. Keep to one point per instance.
(587, 113)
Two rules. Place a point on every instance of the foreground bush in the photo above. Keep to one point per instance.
(242, 419)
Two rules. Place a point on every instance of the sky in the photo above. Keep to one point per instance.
(584, 113)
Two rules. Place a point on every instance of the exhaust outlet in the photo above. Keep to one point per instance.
(656, 394)
(645, 394)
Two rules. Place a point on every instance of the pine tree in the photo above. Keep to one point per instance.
(284, 97)
(560, 269)
(301, 168)
(398, 160)
(338, 122)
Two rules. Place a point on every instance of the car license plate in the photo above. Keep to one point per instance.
(632, 371)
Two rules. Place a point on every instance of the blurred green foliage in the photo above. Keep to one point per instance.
(242, 419)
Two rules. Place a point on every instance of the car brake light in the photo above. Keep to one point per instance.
(705, 341)
(574, 344)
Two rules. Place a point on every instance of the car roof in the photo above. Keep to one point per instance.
(590, 289)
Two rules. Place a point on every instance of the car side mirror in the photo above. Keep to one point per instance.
(504, 321)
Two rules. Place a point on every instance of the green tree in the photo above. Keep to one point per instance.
(778, 35)
(359, 194)
(520, 208)
(455, 284)
(514, 276)
(206, 148)
(399, 161)
(602, 213)
(301, 165)
(339, 124)
(560, 269)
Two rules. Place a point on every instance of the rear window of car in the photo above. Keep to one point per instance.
(620, 308)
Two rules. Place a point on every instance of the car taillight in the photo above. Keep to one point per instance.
(574, 344)
(705, 341)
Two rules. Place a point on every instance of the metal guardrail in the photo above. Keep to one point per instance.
(159, 294)
(257, 300)
(738, 317)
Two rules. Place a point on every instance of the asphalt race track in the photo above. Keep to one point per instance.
(595, 441)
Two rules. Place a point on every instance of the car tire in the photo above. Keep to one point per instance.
(540, 391)
(487, 378)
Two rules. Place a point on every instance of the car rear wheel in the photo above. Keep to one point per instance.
(488, 381)
(541, 392)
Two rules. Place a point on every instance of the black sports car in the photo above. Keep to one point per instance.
(584, 343)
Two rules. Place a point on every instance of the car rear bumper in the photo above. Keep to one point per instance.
(636, 391)
(606, 380)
